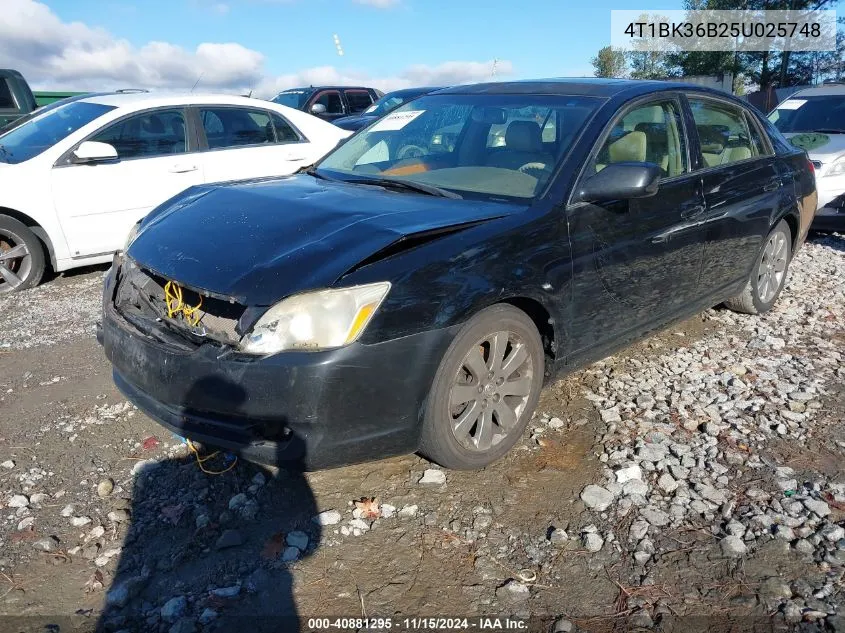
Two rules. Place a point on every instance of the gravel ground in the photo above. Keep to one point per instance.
(696, 479)
(58, 311)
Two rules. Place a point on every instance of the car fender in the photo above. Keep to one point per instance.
(26, 196)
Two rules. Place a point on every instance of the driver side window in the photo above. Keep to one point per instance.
(648, 133)
(147, 135)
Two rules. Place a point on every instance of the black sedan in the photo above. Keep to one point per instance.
(383, 303)
(388, 103)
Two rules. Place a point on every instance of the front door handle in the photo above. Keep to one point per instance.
(772, 185)
(182, 169)
(295, 158)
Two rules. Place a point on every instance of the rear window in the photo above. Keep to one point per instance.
(7, 101)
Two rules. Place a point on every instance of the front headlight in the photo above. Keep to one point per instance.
(315, 320)
(133, 233)
(837, 168)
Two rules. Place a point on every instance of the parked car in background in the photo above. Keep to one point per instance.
(16, 98)
(329, 102)
(369, 308)
(814, 120)
(385, 105)
(78, 174)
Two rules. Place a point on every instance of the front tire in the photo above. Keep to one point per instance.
(22, 260)
(485, 390)
(768, 276)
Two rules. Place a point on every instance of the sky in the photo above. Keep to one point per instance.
(268, 45)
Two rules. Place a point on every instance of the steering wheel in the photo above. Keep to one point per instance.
(537, 170)
(410, 151)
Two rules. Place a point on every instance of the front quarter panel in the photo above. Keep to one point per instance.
(25, 188)
(445, 282)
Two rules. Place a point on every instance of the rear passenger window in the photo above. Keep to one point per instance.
(358, 100)
(723, 133)
(284, 131)
(650, 133)
(756, 139)
(236, 127)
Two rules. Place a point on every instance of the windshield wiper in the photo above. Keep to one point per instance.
(405, 185)
(829, 130)
(311, 170)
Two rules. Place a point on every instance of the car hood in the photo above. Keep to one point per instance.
(259, 241)
(819, 146)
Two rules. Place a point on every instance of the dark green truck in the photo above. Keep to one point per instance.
(16, 99)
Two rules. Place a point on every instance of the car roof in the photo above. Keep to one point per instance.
(405, 91)
(153, 99)
(830, 89)
(575, 86)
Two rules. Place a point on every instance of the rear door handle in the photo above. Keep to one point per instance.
(772, 185)
(182, 169)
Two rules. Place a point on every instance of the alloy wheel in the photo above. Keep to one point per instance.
(490, 391)
(15, 261)
(772, 267)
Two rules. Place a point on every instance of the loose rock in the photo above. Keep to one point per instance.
(433, 477)
(733, 547)
(596, 497)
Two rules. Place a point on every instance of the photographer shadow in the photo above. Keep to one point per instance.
(209, 544)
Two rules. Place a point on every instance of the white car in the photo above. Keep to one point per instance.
(814, 120)
(75, 178)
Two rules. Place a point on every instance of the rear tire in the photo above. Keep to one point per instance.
(22, 260)
(768, 276)
(485, 390)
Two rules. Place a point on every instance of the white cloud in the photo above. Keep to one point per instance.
(74, 56)
(379, 4)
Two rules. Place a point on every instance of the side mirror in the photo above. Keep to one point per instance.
(94, 152)
(318, 109)
(621, 181)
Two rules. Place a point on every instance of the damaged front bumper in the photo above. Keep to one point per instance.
(314, 409)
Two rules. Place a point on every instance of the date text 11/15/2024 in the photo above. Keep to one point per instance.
(420, 624)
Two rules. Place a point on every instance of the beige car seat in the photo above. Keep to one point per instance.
(631, 147)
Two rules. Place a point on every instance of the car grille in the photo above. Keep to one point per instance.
(141, 293)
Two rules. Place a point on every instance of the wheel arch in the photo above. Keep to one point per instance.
(543, 321)
(36, 228)
(794, 224)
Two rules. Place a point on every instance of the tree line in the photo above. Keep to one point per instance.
(764, 69)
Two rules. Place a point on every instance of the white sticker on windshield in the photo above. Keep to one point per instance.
(792, 104)
(396, 120)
